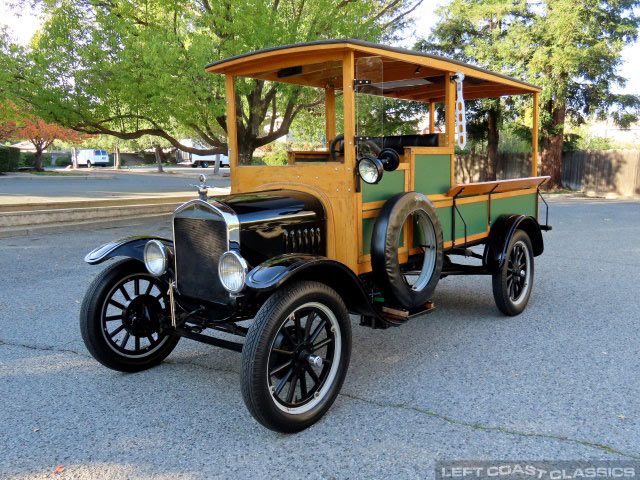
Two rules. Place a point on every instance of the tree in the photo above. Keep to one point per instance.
(130, 69)
(571, 48)
(41, 135)
(472, 31)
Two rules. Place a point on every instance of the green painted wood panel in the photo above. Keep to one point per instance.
(432, 174)
(475, 214)
(521, 204)
(367, 233)
(391, 183)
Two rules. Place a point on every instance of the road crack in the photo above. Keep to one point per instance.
(488, 428)
(43, 348)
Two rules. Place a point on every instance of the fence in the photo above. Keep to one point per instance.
(593, 171)
(603, 171)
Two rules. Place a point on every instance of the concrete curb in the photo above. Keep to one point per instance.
(78, 226)
(45, 217)
(97, 203)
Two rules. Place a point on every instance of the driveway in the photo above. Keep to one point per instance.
(560, 381)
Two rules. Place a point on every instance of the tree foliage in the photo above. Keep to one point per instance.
(129, 68)
(571, 48)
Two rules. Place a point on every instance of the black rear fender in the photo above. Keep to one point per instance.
(283, 269)
(500, 234)
(132, 247)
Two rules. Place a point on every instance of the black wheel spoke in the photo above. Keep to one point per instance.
(149, 288)
(312, 374)
(303, 385)
(282, 352)
(116, 304)
(136, 287)
(125, 294)
(283, 382)
(292, 388)
(317, 331)
(296, 322)
(323, 343)
(116, 331)
(151, 340)
(287, 337)
(280, 368)
(112, 317)
(137, 347)
(125, 340)
(307, 325)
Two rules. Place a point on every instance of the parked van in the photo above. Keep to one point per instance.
(88, 158)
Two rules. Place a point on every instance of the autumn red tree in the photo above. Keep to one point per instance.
(42, 134)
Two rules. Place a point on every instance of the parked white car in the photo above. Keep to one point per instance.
(88, 157)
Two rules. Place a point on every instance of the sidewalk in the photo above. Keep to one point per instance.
(86, 200)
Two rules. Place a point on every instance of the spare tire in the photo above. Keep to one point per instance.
(385, 243)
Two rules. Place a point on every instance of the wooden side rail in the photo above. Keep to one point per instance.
(302, 156)
(499, 186)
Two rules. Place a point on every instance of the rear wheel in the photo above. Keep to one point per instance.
(204, 164)
(512, 284)
(120, 318)
(88, 163)
(295, 356)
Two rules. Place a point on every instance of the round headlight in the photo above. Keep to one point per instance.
(370, 169)
(156, 257)
(232, 269)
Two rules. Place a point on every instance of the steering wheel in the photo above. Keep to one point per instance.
(336, 147)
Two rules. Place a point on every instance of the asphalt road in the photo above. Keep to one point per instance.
(107, 183)
(558, 382)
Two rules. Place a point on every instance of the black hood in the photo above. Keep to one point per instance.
(275, 222)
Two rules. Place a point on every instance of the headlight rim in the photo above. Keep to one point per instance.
(245, 270)
(164, 251)
(376, 163)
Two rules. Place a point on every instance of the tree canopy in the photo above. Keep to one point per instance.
(570, 48)
(128, 68)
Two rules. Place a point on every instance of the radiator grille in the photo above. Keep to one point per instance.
(200, 237)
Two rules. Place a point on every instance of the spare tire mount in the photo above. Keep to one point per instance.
(384, 249)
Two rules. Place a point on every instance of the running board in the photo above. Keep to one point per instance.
(395, 316)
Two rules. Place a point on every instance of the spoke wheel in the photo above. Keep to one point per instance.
(512, 284)
(417, 279)
(304, 358)
(121, 315)
(131, 313)
(295, 356)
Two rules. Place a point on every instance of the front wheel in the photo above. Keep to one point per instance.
(296, 356)
(204, 164)
(512, 284)
(120, 318)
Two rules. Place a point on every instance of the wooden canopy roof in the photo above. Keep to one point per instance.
(403, 74)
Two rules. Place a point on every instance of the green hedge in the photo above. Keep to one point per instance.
(9, 159)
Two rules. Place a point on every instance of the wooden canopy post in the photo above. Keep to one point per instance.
(450, 109)
(534, 137)
(432, 117)
(330, 114)
(349, 100)
(232, 129)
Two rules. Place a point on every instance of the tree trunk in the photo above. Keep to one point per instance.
(116, 158)
(37, 165)
(552, 146)
(245, 153)
(159, 158)
(74, 157)
(493, 136)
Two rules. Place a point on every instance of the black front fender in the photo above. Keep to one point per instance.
(279, 270)
(132, 247)
(501, 232)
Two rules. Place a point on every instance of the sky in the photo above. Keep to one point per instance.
(23, 25)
